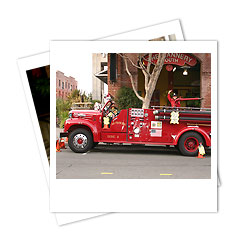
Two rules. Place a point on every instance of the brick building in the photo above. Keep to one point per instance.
(186, 80)
(64, 85)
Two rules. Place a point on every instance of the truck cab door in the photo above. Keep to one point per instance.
(116, 129)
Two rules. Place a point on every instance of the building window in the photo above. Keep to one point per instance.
(71, 87)
(104, 65)
(65, 85)
(59, 83)
(62, 85)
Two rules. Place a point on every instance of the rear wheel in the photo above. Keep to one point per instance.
(189, 142)
(80, 140)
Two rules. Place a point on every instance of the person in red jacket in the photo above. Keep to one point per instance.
(174, 100)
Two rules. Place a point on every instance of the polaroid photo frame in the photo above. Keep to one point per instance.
(166, 31)
(128, 195)
(27, 64)
(170, 30)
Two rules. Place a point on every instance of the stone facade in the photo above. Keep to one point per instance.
(64, 85)
(98, 86)
(205, 76)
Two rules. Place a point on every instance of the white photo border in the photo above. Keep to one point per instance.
(143, 33)
(29, 63)
(128, 195)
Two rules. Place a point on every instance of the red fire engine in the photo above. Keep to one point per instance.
(184, 128)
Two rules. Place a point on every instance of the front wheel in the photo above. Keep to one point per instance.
(80, 140)
(189, 142)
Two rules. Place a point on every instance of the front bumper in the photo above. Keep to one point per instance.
(64, 134)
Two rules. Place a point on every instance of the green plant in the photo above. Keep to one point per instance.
(63, 117)
(75, 95)
(63, 106)
(126, 98)
(93, 102)
(62, 110)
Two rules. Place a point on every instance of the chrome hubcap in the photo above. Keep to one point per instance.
(80, 141)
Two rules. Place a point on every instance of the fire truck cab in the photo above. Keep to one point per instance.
(185, 128)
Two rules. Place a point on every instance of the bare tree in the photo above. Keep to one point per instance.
(150, 75)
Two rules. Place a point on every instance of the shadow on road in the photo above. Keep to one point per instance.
(138, 149)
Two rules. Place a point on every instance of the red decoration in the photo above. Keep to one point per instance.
(169, 67)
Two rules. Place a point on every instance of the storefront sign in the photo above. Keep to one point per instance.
(179, 59)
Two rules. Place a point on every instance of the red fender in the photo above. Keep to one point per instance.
(86, 123)
(199, 130)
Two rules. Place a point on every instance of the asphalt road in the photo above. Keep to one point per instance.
(131, 162)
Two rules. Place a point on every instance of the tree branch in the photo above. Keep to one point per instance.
(144, 70)
(126, 57)
(148, 59)
(157, 70)
(132, 80)
(149, 62)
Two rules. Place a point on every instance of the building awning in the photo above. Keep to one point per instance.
(102, 75)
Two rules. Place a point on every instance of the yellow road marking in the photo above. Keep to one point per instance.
(166, 174)
(106, 173)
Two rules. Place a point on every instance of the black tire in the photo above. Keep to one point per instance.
(189, 142)
(80, 140)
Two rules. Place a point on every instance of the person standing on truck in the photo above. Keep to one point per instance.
(174, 100)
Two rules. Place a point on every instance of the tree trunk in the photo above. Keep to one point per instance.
(146, 102)
(150, 78)
(153, 81)
(148, 97)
